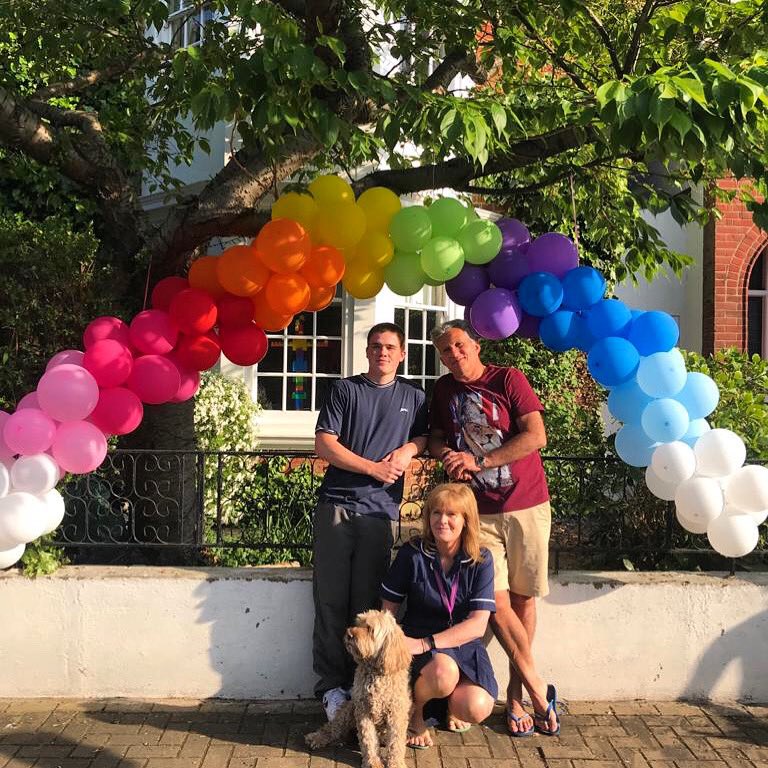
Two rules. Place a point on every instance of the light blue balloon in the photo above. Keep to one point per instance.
(609, 317)
(634, 446)
(662, 374)
(665, 420)
(695, 430)
(699, 395)
(627, 402)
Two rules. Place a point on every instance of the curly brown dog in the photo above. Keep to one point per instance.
(381, 697)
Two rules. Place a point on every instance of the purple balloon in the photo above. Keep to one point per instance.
(495, 313)
(529, 327)
(553, 252)
(513, 233)
(468, 284)
(508, 268)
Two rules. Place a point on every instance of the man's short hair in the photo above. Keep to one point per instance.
(388, 328)
(462, 325)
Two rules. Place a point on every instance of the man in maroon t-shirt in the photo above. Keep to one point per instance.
(486, 427)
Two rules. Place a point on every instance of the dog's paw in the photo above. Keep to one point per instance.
(374, 763)
(316, 740)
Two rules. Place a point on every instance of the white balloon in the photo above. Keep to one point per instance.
(759, 517)
(21, 519)
(748, 488)
(692, 526)
(658, 487)
(673, 462)
(5, 479)
(719, 452)
(35, 474)
(733, 535)
(10, 556)
(53, 509)
(699, 499)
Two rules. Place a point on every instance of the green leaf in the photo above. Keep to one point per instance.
(499, 117)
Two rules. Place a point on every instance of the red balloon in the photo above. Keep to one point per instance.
(198, 353)
(106, 328)
(153, 332)
(109, 362)
(155, 379)
(234, 310)
(166, 289)
(118, 412)
(243, 344)
(193, 311)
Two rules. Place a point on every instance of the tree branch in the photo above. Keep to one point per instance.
(630, 60)
(456, 61)
(605, 37)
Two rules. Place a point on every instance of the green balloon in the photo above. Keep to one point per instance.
(442, 258)
(448, 217)
(481, 241)
(403, 274)
(431, 281)
(410, 228)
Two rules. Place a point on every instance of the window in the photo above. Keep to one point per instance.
(302, 361)
(417, 316)
(186, 20)
(757, 308)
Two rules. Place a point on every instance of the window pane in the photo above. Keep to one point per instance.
(415, 358)
(433, 318)
(322, 387)
(400, 317)
(273, 360)
(193, 29)
(299, 393)
(431, 361)
(329, 321)
(299, 355)
(755, 325)
(328, 353)
(757, 278)
(415, 324)
(301, 325)
(270, 393)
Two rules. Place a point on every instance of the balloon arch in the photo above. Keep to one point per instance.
(509, 284)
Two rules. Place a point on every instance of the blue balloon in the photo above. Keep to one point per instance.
(662, 374)
(582, 287)
(555, 330)
(695, 430)
(665, 420)
(653, 332)
(612, 361)
(626, 402)
(540, 293)
(581, 336)
(609, 317)
(634, 446)
(699, 395)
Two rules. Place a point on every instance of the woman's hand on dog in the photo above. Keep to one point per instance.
(416, 645)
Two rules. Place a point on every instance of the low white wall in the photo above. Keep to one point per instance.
(198, 632)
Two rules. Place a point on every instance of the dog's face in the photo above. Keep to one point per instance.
(377, 641)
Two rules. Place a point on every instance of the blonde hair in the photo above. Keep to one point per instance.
(463, 501)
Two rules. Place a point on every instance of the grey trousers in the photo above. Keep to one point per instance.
(351, 556)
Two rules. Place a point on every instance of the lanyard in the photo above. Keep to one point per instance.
(448, 602)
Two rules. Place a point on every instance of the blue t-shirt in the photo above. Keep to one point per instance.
(371, 421)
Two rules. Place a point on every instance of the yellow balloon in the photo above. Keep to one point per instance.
(362, 281)
(299, 207)
(328, 190)
(341, 225)
(375, 249)
(380, 205)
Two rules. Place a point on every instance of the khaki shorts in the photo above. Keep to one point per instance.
(519, 543)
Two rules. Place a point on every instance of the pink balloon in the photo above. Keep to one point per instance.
(118, 412)
(66, 356)
(190, 383)
(28, 401)
(6, 454)
(155, 379)
(29, 431)
(79, 447)
(153, 332)
(106, 328)
(109, 361)
(67, 392)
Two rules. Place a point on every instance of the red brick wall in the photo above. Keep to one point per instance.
(731, 246)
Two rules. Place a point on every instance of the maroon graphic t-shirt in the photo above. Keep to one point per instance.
(482, 415)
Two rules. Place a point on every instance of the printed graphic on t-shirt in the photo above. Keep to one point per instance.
(473, 417)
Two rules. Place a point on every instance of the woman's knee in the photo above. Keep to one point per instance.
(471, 703)
(443, 674)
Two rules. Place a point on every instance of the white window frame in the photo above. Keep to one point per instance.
(762, 294)
(185, 16)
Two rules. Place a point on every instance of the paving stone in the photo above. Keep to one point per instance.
(173, 762)
(490, 762)
(45, 750)
(283, 762)
(596, 763)
(633, 708)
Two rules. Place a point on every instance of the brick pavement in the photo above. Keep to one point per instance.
(127, 733)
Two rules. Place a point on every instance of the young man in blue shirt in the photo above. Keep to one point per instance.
(369, 429)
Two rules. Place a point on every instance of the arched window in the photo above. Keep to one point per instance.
(757, 308)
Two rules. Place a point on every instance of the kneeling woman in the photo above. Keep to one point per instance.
(447, 580)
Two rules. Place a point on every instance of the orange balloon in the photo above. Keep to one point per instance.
(320, 298)
(203, 274)
(265, 317)
(283, 245)
(287, 294)
(241, 271)
(324, 267)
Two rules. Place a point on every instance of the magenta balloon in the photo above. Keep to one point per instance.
(106, 328)
(190, 383)
(513, 233)
(79, 447)
(67, 392)
(496, 313)
(529, 327)
(109, 361)
(155, 379)
(28, 401)
(153, 332)
(553, 252)
(66, 356)
(118, 412)
(468, 284)
(509, 268)
(29, 431)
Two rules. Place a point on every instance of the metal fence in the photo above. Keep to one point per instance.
(256, 507)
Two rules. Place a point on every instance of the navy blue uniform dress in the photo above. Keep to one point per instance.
(413, 576)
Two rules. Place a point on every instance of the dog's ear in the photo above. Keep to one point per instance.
(395, 655)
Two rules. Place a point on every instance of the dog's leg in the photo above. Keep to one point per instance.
(395, 733)
(369, 741)
(335, 731)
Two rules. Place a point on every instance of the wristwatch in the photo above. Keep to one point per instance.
(430, 642)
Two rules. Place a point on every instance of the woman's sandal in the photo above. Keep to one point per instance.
(541, 720)
(517, 719)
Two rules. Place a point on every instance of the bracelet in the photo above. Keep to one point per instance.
(431, 642)
(424, 648)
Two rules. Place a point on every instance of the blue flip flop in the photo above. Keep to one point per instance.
(544, 718)
(517, 719)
